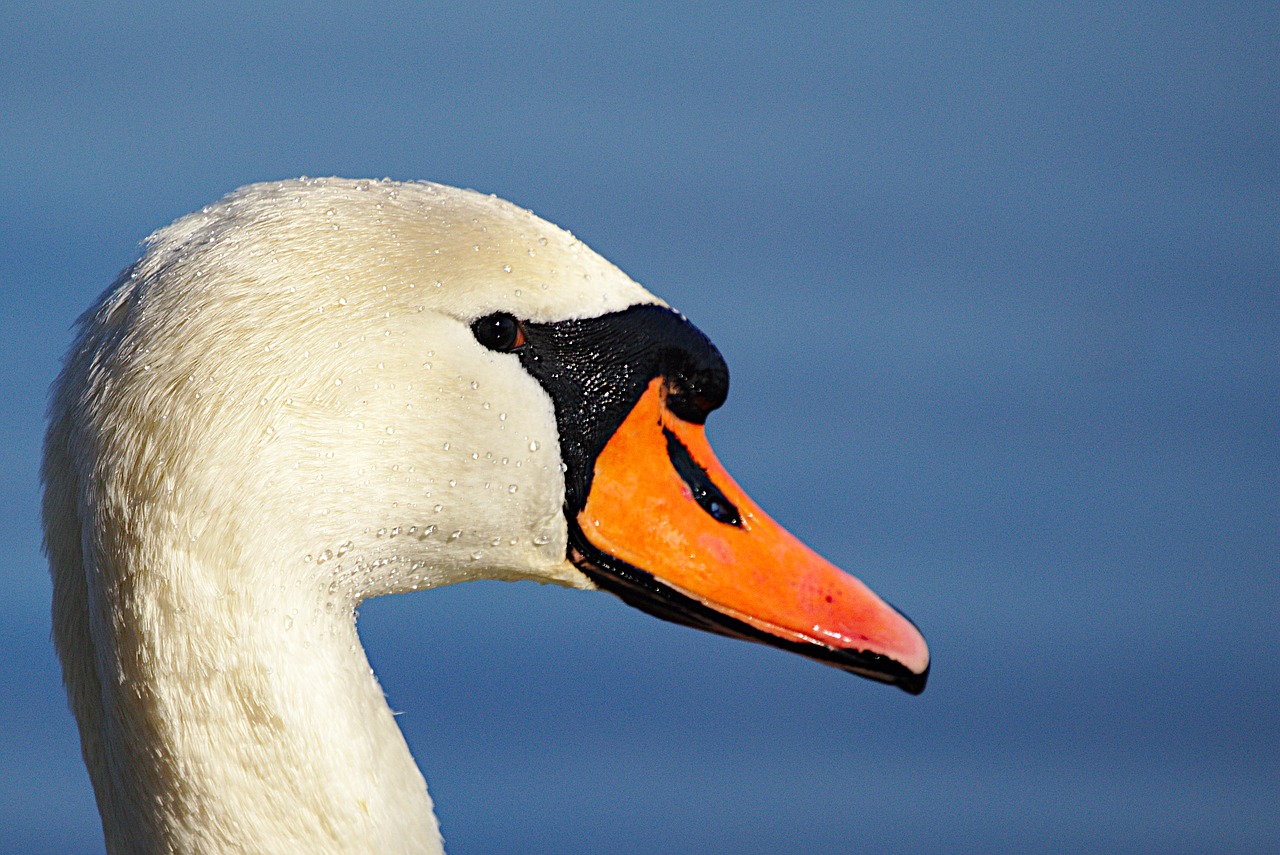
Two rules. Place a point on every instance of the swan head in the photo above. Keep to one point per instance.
(353, 388)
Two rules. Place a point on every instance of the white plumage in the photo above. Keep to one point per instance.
(278, 411)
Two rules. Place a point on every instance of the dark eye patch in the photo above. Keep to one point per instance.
(705, 492)
(595, 369)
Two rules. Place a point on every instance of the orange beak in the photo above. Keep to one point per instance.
(666, 528)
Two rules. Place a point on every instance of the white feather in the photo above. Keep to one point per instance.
(278, 411)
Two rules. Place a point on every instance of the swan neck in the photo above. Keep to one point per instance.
(247, 719)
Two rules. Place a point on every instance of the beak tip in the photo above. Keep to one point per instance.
(913, 658)
(883, 669)
(913, 684)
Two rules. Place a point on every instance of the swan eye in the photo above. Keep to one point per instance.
(500, 332)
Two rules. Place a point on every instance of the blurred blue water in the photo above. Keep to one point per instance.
(1000, 291)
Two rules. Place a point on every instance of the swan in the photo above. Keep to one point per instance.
(321, 390)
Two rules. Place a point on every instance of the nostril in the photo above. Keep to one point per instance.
(704, 490)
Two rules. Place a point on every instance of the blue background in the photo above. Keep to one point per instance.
(1000, 290)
